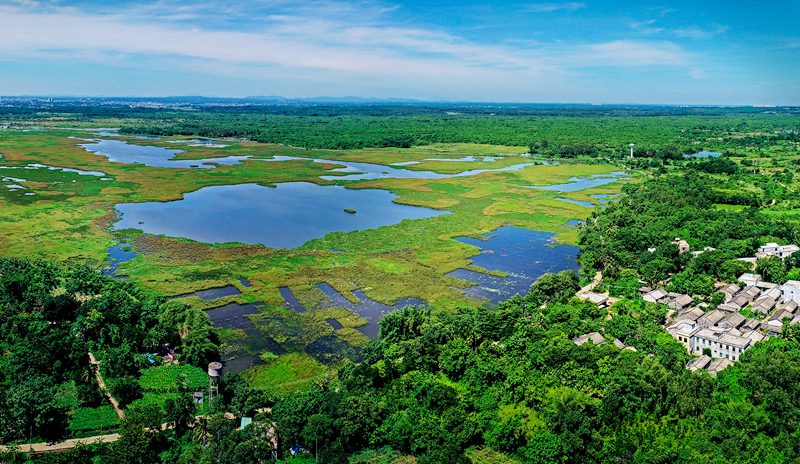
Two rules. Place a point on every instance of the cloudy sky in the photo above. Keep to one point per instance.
(615, 51)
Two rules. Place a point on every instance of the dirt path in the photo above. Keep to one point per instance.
(64, 445)
(102, 384)
(588, 288)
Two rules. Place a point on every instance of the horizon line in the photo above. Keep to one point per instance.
(353, 98)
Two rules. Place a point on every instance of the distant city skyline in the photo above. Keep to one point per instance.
(726, 53)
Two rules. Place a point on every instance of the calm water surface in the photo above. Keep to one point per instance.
(576, 184)
(525, 255)
(119, 151)
(285, 216)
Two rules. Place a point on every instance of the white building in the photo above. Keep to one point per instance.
(779, 251)
(791, 291)
(749, 280)
(721, 342)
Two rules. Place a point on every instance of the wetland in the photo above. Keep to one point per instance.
(297, 254)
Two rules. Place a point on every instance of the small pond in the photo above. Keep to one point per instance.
(285, 216)
(213, 293)
(117, 255)
(290, 301)
(525, 255)
(703, 154)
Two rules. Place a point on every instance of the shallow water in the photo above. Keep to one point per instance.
(219, 292)
(467, 159)
(370, 171)
(285, 216)
(58, 168)
(331, 350)
(334, 323)
(235, 316)
(117, 255)
(120, 151)
(368, 308)
(199, 143)
(290, 301)
(525, 255)
(588, 204)
(582, 183)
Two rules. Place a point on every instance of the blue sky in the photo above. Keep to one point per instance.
(698, 52)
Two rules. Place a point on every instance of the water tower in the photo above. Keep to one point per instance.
(632, 145)
(214, 370)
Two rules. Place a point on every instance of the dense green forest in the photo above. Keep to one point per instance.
(706, 210)
(554, 130)
(51, 317)
(444, 386)
(511, 380)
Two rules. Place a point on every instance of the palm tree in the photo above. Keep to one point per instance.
(201, 430)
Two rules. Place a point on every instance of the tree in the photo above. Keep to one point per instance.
(553, 288)
(772, 269)
(454, 357)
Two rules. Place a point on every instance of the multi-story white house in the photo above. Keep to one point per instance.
(721, 342)
(779, 251)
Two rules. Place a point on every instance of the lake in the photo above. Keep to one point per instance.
(525, 255)
(119, 151)
(285, 216)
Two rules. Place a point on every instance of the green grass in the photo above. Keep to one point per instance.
(481, 455)
(724, 207)
(789, 213)
(165, 378)
(289, 372)
(93, 419)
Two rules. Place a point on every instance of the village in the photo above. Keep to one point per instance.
(751, 310)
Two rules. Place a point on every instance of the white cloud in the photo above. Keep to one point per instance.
(324, 43)
(551, 7)
(637, 53)
(698, 74)
(701, 33)
(646, 27)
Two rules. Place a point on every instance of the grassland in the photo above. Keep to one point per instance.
(287, 373)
